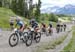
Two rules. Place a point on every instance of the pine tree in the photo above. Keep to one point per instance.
(0, 3)
(38, 8)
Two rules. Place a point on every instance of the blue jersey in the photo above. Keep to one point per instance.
(20, 23)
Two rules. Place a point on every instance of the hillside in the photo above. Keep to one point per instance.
(4, 17)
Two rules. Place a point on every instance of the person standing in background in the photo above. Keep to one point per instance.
(11, 21)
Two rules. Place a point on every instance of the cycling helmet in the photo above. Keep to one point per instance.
(18, 18)
(33, 20)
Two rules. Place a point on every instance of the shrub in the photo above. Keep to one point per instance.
(53, 17)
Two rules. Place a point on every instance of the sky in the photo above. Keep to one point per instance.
(50, 3)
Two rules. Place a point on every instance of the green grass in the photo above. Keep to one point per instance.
(65, 19)
(71, 45)
(4, 17)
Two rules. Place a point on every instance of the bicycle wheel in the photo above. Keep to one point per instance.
(38, 37)
(13, 40)
(29, 40)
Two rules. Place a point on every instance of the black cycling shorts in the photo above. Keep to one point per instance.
(21, 26)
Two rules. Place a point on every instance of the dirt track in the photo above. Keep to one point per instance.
(21, 47)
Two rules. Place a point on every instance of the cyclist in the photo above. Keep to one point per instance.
(33, 23)
(58, 27)
(21, 25)
(11, 20)
(43, 27)
(61, 27)
(64, 26)
(50, 25)
(50, 28)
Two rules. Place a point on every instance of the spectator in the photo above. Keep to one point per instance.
(11, 21)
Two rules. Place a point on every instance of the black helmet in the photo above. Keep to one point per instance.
(33, 20)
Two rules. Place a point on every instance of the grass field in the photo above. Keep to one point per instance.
(64, 19)
(4, 17)
(71, 45)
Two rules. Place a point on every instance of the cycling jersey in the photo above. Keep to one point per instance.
(34, 25)
(20, 23)
(50, 25)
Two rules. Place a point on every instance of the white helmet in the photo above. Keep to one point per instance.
(18, 18)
